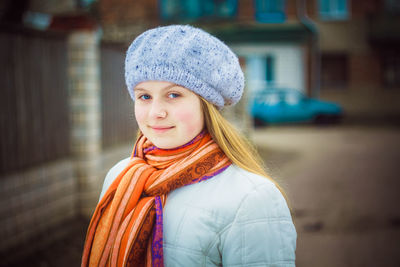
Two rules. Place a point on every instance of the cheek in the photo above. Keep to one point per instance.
(140, 114)
(193, 121)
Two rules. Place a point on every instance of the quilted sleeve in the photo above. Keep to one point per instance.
(112, 174)
(262, 233)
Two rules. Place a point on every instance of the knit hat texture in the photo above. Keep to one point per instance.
(189, 57)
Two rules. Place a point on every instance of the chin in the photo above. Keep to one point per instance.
(164, 146)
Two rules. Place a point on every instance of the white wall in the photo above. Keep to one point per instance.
(289, 64)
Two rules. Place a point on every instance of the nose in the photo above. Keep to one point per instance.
(158, 110)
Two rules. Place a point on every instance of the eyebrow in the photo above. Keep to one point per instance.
(164, 88)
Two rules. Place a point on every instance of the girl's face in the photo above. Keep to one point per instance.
(169, 115)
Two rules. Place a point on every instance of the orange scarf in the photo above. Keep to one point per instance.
(126, 227)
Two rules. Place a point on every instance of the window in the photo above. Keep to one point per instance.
(260, 71)
(391, 69)
(270, 11)
(269, 69)
(333, 9)
(334, 71)
(184, 10)
(219, 8)
(179, 9)
(85, 3)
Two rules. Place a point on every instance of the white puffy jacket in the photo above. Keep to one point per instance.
(236, 218)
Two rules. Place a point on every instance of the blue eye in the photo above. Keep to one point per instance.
(173, 95)
(144, 97)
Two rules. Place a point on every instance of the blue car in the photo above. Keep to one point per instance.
(274, 106)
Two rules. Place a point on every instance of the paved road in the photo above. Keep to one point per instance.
(343, 189)
(343, 186)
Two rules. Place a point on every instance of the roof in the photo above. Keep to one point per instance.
(261, 33)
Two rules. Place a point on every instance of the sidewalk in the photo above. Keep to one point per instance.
(342, 183)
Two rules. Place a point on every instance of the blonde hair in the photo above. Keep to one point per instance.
(235, 146)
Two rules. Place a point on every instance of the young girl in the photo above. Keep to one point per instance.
(193, 192)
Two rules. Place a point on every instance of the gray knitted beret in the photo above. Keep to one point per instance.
(189, 57)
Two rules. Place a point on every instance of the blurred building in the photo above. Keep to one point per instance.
(359, 56)
(339, 50)
(66, 117)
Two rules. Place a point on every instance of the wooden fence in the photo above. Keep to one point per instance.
(34, 100)
(34, 108)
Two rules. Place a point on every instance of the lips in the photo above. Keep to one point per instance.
(161, 129)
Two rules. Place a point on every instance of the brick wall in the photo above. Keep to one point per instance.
(85, 101)
(123, 20)
(39, 206)
(33, 203)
